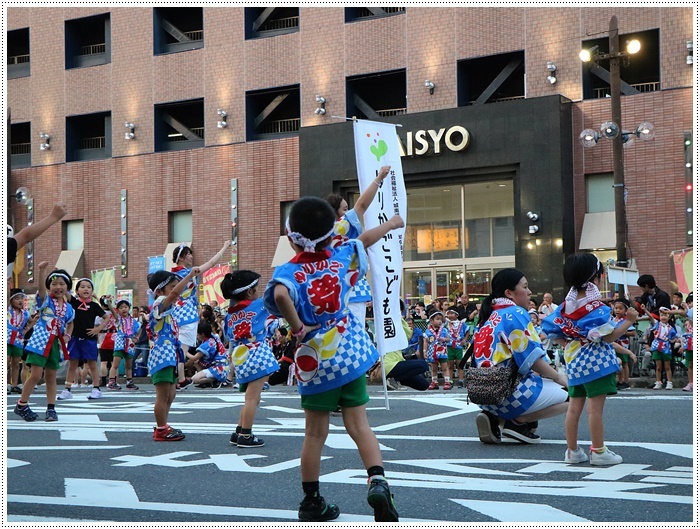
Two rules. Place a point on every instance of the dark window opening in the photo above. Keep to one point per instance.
(88, 41)
(20, 145)
(89, 137)
(177, 29)
(18, 53)
(491, 79)
(378, 95)
(273, 113)
(270, 21)
(363, 13)
(639, 73)
(180, 125)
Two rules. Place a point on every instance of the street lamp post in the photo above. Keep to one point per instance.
(618, 158)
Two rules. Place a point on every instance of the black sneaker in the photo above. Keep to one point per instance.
(318, 511)
(487, 426)
(51, 415)
(16, 389)
(234, 438)
(183, 385)
(249, 441)
(382, 501)
(520, 432)
(226, 384)
(26, 413)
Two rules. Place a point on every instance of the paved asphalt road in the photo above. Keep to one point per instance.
(99, 463)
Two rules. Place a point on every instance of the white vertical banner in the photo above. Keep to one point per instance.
(376, 145)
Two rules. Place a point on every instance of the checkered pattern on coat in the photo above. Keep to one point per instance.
(186, 309)
(522, 398)
(260, 362)
(349, 227)
(16, 322)
(353, 358)
(594, 361)
(166, 346)
(43, 328)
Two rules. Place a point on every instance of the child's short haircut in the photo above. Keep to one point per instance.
(334, 200)
(580, 268)
(204, 327)
(123, 302)
(58, 273)
(235, 285)
(160, 279)
(313, 219)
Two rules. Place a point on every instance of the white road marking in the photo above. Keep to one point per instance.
(520, 512)
(121, 494)
(65, 447)
(342, 441)
(14, 463)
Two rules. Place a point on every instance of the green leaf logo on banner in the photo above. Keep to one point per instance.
(379, 150)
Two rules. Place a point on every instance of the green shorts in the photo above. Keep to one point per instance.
(13, 350)
(602, 386)
(688, 359)
(455, 353)
(350, 395)
(167, 375)
(123, 354)
(52, 362)
(623, 358)
(658, 355)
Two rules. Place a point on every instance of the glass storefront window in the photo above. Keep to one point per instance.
(503, 236)
(434, 228)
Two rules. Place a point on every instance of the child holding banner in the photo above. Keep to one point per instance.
(348, 226)
(311, 293)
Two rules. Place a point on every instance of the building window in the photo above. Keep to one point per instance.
(460, 221)
(20, 145)
(73, 235)
(378, 95)
(491, 79)
(273, 113)
(600, 193)
(18, 53)
(177, 29)
(89, 137)
(270, 21)
(639, 73)
(180, 226)
(88, 41)
(285, 208)
(180, 125)
(363, 13)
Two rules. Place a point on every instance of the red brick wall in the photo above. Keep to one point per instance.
(426, 41)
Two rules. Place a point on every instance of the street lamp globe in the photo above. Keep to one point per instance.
(633, 46)
(609, 130)
(588, 138)
(645, 131)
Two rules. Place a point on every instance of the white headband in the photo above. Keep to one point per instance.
(161, 285)
(179, 251)
(301, 240)
(17, 294)
(243, 289)
(84, 279)
(59, 274)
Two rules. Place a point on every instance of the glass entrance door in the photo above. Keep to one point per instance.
(449, 283)
(417, 284)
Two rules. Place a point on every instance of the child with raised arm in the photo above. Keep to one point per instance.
(18, 324)
(249, 328)
(582, 321)
(127, 329)
(186, 309)
(166, 352)
(335, 352)
(47, 346)
(661, 353)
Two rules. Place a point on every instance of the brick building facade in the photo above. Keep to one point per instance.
(325, 49)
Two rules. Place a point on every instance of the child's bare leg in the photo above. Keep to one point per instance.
(315, 436)
(33, 379)
(94, 372)
(445, 370)
(573, 415)
(252, 400)
(595, 420)
(127, 368)
(658, 370)
(72, 375)
(669, 372)
(165, 394)
(114, 371)
(434, 370)
(50, 378)
(14, 371)
(357, 426)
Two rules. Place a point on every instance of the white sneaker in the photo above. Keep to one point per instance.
(64, 395)
(669, 385)
(576, 456)
(95, 394)
(658, 385)
(608, 457)
(689, 387)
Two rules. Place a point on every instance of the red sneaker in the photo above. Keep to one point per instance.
(433, 385)
(167, 434)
